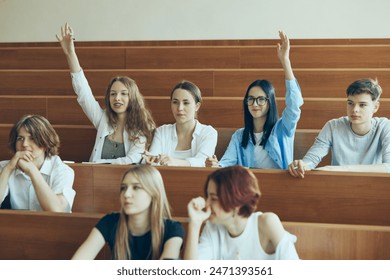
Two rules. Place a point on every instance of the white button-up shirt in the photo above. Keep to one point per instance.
(57, 175)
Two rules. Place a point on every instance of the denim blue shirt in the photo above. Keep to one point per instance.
(280, 144)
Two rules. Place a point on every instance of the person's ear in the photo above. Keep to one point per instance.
(376, 106)
(197, 106)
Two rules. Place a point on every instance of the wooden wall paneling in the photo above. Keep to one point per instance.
(5, 153)
(222, 112)
(76, 141)
(54, 58)
(35, 82)
(244, 42)
(12, 108)
(160, 82)
(182, 57)
(319, 56)
(319, 82)
(198, 56)
(66, 110)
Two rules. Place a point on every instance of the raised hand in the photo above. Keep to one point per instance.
(66, 39)
(283, 48)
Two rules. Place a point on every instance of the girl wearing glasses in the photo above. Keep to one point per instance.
(125, 127)
(266, 141)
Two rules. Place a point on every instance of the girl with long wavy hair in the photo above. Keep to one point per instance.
(143, 229)
(125, 128)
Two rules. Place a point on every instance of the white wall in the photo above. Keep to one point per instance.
(100, 20)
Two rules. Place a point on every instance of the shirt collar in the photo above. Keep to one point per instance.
(196, 131)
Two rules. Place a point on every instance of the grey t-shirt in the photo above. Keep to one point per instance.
(349, 148)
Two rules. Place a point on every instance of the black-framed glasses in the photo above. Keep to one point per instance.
(261, 100)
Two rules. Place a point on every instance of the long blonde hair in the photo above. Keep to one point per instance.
(139, 120)
(151, 180)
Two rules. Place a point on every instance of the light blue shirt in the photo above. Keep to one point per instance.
(280, 144)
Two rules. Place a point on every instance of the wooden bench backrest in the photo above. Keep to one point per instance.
(315, 55)
(52, 236)
(77, 142)
(322, 197)
(319, 82)
(45, 236)
(216, 111)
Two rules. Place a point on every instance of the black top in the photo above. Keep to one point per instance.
(140, 246)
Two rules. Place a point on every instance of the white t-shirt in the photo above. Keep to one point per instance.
(261, 157)
(216, 243)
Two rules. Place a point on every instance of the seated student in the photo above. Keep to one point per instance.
(143, 229)
(36, 178)
(186, 142)
(233, 229)
(358, 141)
(125, 128)
(266, 141)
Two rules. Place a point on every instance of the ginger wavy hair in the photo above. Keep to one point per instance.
(236, 186)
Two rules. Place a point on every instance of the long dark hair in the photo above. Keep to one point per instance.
(272, 115)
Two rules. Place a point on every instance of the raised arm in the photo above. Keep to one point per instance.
(66, 40)
(283, 49)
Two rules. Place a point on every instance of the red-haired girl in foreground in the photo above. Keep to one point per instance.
(234, 230)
